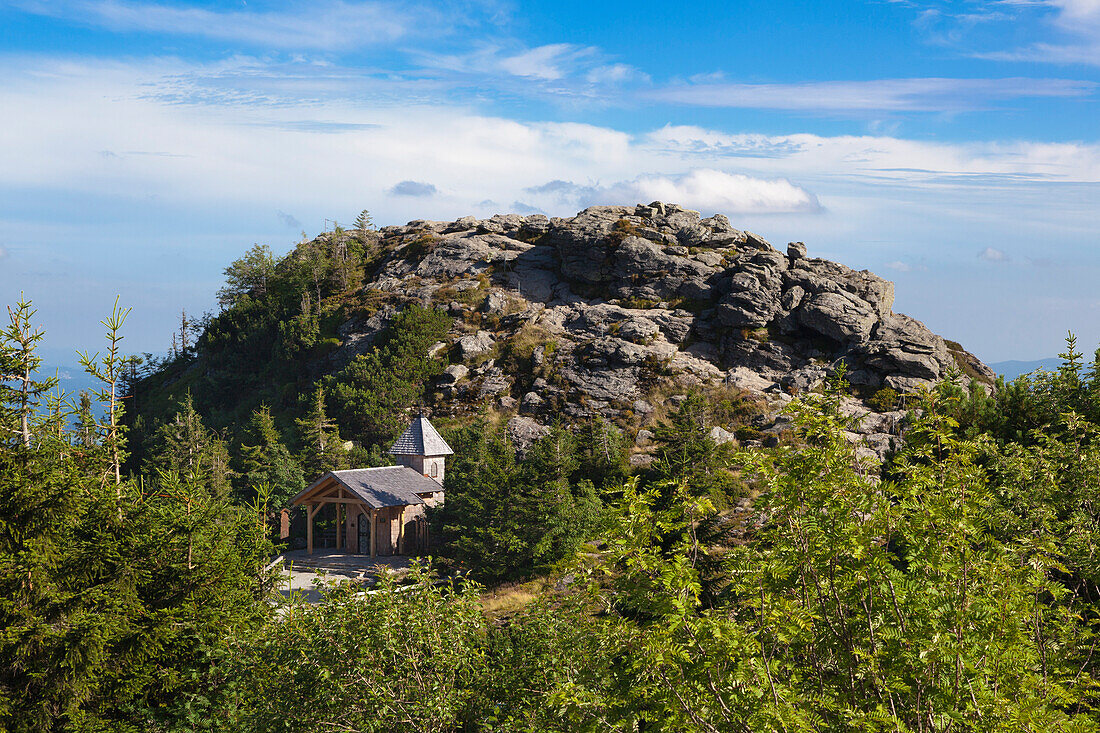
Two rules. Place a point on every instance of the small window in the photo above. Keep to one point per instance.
(435, 470)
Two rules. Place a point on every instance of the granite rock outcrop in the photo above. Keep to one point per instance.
(604, 308)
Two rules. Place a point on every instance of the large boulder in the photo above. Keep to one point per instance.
(839, 316)
(473, 346)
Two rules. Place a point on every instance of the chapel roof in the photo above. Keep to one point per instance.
(421, 439)
(377, 487)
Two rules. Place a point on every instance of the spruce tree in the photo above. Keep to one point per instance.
(186, 446)
(266, 460)
(322, 449)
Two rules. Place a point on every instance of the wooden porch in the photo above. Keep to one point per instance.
(375, 512)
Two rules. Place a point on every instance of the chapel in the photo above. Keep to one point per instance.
(382, 511)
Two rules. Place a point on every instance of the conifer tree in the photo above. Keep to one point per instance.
(686, 450)
(186, 446)
(265, 459)
(18, 364)
(109, 370)
(364, 222)
(322, 449)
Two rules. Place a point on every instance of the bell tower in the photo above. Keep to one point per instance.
(422, 449)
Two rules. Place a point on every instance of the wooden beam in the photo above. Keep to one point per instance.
(320, 491)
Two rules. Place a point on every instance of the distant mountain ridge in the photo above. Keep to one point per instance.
(71, 379)
(1015, 368)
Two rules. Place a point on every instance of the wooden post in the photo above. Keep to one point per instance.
(310, 511)
(336, 526)
(373, 530)
(352, 542)
(400, 529)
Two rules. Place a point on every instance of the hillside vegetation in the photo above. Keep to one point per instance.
(598, 322)
(867, 551)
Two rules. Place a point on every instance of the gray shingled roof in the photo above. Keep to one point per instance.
(421, 439)
(381, 487)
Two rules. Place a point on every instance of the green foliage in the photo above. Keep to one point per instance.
(114, 596)
(686, 451)
(371, 395)
(322, 449)
(747, 432)
(1033, 402)
(398, 658)
(186, 447)
(279, 316)
(364, 222)
(505, 519)
(19, 390)
(859, 607)
(884, 400)
(266, 461)
(602, 454)
(247, 276)
(109, 370)
(954, 589)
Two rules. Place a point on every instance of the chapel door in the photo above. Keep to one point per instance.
(363, 525)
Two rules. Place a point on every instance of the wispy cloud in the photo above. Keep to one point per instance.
(992, 254)
(71, 111)
(886, 159)
(326, 24)
(1045, 31)
(564, 70)
(550, 62)
(876, 95)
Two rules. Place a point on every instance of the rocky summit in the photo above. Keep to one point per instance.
(616, 302)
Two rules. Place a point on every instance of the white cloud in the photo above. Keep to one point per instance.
(549, 63)
(413, 188)
(714, 190)
(236, 140)
(615, 74)
(887, 160)
(899, 266)
(328, 24)
(886, 95)
(992, 254)
(1065, 31)
(561, 70)
(704, 189)
(213, 150)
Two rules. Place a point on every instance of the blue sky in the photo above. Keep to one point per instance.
(952, 147)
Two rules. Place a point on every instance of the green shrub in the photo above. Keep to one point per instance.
(747, 432)
(884, 400)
